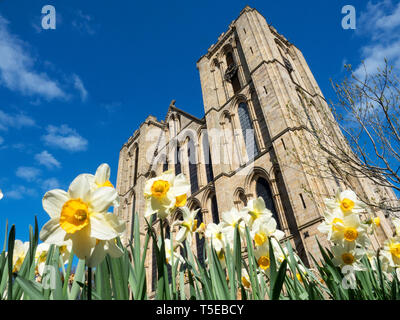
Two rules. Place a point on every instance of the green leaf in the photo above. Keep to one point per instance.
(29, 289)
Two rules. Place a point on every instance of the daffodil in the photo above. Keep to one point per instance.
(215, 233)
(171, 251)
(165, 193)
(264, 228)
(102, 179)
(42, 252)
(231, 219)
(79, 215)
(350, 229)
(19, 253)
(391, 251)
(347, 202)
(245, 279)
(256, 208)
(396, 223)
(261, 254)
(347, 254)
(188, 225)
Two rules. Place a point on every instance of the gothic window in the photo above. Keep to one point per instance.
(207, 159)
(264, 191)
(165, 165)
(231, 73)
(214, 209)
(136, 166)
(133, 216)
(243, 199)
(200, 242)
(247, 131)
(194, 185)
(178, 168)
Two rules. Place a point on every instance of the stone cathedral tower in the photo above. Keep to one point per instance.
(240, 147)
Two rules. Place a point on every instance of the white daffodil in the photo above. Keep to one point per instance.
(188, 225)
(231, 219)
(262, 256)
(391, 251)
(246, 279)
(1, 194)
(41, 257)
(79, 215)
(19, 253)
(169, 251)
(347, 202)
(102, 179)
(347, 254)
(256, 208)
(350, 229)
(396, 223)
(110, 247)
(165, 193)
(263, 228)
(215, 233)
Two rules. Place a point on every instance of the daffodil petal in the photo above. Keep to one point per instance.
(103, 198)
(82, 243)
(102, 174)
(52, 232)
(80, 188)
(53, 202)
(100, 228)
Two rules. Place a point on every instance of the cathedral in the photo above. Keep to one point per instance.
(246, 143)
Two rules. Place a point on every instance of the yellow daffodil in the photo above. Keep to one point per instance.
(347, 254)
(19, 253)
(188, 225)
(165, 193)
(79, 215)
(263, 228)
(347, 202)
(256, 208)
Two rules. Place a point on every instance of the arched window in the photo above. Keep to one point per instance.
(200, 242)
(207, 158)
(194, 184)
(232, 72)
(178, 168)
(247, 131)
(133, 216)
(214, 209)
(136, 166)
(264, 191)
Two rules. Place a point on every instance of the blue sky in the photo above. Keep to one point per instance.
(70, 97)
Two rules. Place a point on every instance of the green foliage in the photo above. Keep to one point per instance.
(125, 277)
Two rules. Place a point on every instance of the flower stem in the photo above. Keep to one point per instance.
(89, 292)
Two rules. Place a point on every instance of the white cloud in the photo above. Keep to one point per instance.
(19, 192)
(84, 23)
(78, 85)
(47, 159)
(15, 121)
(50, 184)
(381, 24)
(27, 173)
(17, 68)
(65, 138)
